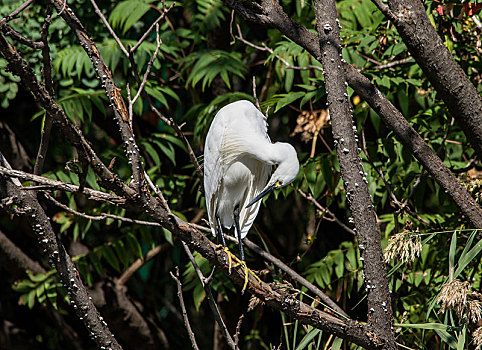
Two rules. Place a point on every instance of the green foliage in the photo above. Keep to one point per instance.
(206, 65)
(199, 69)
(8, 85)
(40, 288)
(127, 13)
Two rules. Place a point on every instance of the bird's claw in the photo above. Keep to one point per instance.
(230, 256)
(246, 271)
(237, 263)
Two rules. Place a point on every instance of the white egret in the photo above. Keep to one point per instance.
(238, 156)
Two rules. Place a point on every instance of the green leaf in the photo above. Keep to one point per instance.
(467, 258)
(128, 12)
(152, 153)
(109, 256)
(95, 261)
(453, 247)
(461, 340)
(288, 98)
(133, 245)
(337, 344)
(339, 263)
(308, 338)
(121, 252)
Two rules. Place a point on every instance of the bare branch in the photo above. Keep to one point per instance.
(54, 184)
(380, 318)
(149, 66)
(390, 64)
(26, 205)
(209, 296)
(323, 210)
(15, 13)
(9, 31)
(47, 77)
(100, 217)
(183, 308)
(109, 28)
(153, 25)
(281, 59)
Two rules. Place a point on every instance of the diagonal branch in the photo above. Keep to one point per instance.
(274, 16)
(54, 184)
(183, 308)
(26, 205)
(209, 295)
(104, 74)
(438, 64)
(380, 319)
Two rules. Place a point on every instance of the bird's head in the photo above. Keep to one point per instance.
(288, 166)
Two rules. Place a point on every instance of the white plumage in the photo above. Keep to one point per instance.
(238, 156)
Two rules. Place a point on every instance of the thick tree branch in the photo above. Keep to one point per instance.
(450, 81)
(278, 299)
(72, 133)
(26, 205)
(274, 16)
(380, 319)
(104, 74)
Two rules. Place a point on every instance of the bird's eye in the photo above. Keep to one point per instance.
(279, 183)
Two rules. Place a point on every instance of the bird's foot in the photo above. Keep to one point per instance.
(246, 271)
(230, 256)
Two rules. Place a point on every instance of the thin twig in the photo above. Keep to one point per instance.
(209, 296)
(183, 308)
(238, 330)
(255, 96)
(109, 28)
(324, 211)
(168, 121)
(59, 185)
(389, 65)
(101, 217)
(144, 36)
(149, 66)
(16, 12)
(47, 77)
(157, 191)
(7, 30)
(266, 48)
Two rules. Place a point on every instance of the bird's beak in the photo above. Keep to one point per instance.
(263, 193)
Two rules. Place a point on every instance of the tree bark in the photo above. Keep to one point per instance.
(274, 16)
(446, 76)
(26, 205)
(380, 319)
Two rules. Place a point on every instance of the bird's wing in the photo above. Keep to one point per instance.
(213, 168)
(256, 184)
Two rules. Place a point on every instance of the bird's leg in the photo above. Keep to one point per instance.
(238, 231)
(219, 228)
(241, 250)
(220, 231)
